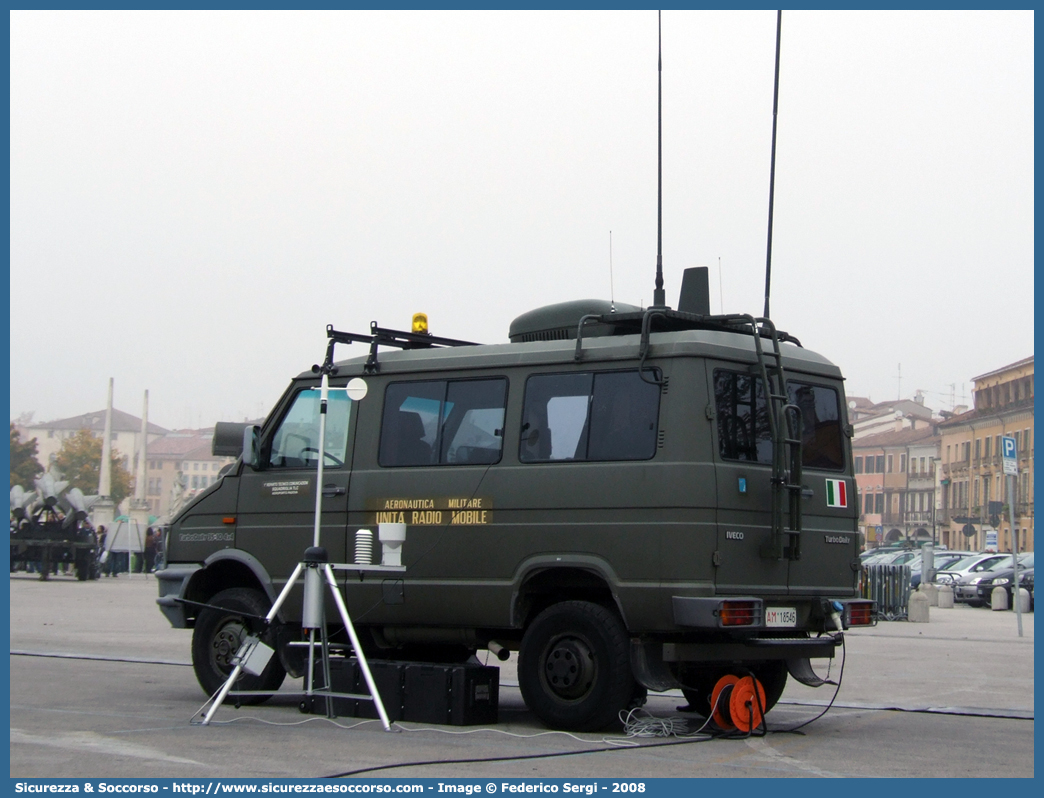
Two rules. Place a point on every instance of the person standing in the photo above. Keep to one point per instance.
(150, 550)
(104, 557)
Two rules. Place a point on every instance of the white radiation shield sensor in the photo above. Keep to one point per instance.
(357, 389)
(392, 537)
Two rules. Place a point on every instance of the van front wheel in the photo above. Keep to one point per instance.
(574, 667)
(219, 632)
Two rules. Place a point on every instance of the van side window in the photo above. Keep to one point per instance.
(590, 416)
(743, 425)
(296, 441)
(473, 431)
(442, 422)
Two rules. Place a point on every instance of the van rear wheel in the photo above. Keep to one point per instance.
(574, 668)
(220, 630)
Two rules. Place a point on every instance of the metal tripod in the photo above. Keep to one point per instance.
(253, 655)
(315, 568)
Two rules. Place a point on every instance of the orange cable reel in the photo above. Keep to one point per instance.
(735, 704)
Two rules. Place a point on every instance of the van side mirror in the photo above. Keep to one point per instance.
(228, 439)
(252, 447)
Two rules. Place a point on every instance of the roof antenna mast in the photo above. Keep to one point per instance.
(659, 300)
(772, 168)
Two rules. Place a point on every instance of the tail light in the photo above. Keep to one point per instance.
(860, 613)
(740, 613)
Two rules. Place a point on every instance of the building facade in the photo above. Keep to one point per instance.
(895, 476)
(180, 465)
(869, 418)
(125, 435)
(975, 490)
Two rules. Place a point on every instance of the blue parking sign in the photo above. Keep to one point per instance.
(1009, 454)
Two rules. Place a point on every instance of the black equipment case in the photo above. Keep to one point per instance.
(464, 694)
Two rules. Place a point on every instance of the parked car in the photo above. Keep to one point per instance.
(1026, 581)
(966, 574)
(941, 561)
(880, 551)
(894, 557)
(1002, 577)
(964, 566)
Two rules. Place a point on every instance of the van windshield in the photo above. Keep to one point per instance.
(296, 441)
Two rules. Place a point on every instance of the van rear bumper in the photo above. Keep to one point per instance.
(754, 649)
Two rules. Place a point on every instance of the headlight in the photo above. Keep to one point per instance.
(975, 580)
(1001, 581)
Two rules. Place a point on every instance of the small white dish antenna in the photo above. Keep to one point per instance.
(357, 389)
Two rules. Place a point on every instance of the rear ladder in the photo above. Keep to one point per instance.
(785, 422)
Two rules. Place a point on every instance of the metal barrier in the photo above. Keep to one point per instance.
(889, 586)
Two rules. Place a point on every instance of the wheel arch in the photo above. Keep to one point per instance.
(226, 569)
(543, 581)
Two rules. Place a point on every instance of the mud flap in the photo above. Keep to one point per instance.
(801, 669)
(648, 667)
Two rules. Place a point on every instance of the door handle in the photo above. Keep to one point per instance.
(329, 491)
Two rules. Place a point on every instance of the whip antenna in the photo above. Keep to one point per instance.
(659, 300)
(612, 292)
(772, 167)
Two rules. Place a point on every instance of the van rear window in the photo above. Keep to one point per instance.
(443, 422)
(589, 416)
(743, 427)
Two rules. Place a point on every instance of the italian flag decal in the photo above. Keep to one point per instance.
(836, 493)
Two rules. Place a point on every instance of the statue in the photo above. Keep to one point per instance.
(177, 493)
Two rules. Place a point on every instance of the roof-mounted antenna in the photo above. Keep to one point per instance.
(659, 300)
(772, 168)
(612, 292)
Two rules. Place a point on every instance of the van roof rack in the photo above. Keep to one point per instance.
(654, 319)
(380, 336)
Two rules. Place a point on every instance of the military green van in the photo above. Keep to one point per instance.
(630, 499)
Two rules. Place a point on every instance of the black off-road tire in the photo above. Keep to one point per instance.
(574, 667)
(217, 637)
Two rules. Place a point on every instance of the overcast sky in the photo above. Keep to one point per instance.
(196, 195)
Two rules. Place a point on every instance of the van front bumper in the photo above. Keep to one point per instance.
(172, 583)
